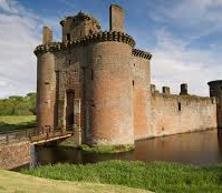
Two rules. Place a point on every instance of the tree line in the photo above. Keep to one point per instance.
(19, 105)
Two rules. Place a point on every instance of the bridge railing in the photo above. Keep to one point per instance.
(31, 135)
(16, 135)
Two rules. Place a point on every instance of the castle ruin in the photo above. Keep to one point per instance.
(98, 85)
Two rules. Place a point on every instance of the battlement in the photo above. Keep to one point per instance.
(97, 37)
(141, 53)
(166, 94)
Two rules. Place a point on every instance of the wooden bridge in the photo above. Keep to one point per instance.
(33, 136)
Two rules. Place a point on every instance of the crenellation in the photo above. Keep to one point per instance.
(183, 89)
(166, 90)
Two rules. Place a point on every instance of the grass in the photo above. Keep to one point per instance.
(10, 123)
(107, 148)
(11, 182)
(158, 177)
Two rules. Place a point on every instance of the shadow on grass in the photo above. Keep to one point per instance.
(6, 127)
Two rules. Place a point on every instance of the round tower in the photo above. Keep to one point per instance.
(112, 97)
(111, 86)
(216, 91)
(46, 86)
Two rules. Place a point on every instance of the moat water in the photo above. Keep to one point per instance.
(199, 148)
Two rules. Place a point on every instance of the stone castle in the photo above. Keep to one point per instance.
(98, 85)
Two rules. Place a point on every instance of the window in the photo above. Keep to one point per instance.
(92, 74)
(68, 37)
(179, 106)
(133, 82)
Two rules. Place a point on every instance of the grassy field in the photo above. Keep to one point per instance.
(158, 177)
(11, 182)
(9, 123)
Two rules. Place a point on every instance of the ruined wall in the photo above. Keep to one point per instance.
(111, 97)
(14, 155)
(173, 114)
(141, 97)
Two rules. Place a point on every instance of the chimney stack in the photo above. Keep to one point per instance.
(116, 18)
(46, 35)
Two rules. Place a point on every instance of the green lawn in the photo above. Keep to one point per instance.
(17, 122)
(158, 177)
(11, 182)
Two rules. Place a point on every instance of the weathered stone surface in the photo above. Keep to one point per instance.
(14, 155)
(173, 114)
(216, 91)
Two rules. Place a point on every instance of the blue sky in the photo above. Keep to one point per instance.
(185, 38)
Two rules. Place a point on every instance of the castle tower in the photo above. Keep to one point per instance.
(112, 90)
(79, 26)
(216, 91)
(46, 85)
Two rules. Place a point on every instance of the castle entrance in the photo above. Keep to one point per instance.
(72, 111)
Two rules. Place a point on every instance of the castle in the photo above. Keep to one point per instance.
(96, 83)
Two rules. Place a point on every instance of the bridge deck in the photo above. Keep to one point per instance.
(33, 137)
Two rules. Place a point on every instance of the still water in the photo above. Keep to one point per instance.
(200, 148)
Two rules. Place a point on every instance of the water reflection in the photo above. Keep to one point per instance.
(201, 148)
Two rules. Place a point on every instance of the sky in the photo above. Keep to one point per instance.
(184, 37)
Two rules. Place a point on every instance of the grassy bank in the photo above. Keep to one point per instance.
(16, 122)
(11, 182)
(157, 177)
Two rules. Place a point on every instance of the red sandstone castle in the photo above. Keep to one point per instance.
(97, 84)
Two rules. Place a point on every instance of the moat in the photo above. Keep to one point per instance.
(200, 148)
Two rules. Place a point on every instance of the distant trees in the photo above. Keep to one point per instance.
(18, 105)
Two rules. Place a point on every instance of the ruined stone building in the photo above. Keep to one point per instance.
(96, 83)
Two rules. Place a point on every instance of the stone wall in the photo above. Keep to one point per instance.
(14, 155)
(141, 97)
(173, 114)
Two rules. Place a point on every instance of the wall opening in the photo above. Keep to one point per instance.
(133, 82)
(179, 106)
(70, 109)
(68, 37)
(92, 74)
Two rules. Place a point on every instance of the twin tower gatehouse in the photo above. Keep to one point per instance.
(98, 85)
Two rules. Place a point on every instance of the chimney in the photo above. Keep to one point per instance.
(116, 18)
(184, 89)
(46, 35)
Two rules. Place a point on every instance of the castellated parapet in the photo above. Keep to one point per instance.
(98, 85)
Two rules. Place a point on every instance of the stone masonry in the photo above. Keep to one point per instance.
(98, 85)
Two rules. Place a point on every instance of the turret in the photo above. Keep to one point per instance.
(216, 91)
(79, 26)
(46, 85)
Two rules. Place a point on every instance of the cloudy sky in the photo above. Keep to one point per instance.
(185, 38)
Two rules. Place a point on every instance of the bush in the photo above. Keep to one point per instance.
(18, 105)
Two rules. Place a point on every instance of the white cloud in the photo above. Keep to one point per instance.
(173, 63)
(18, 31)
